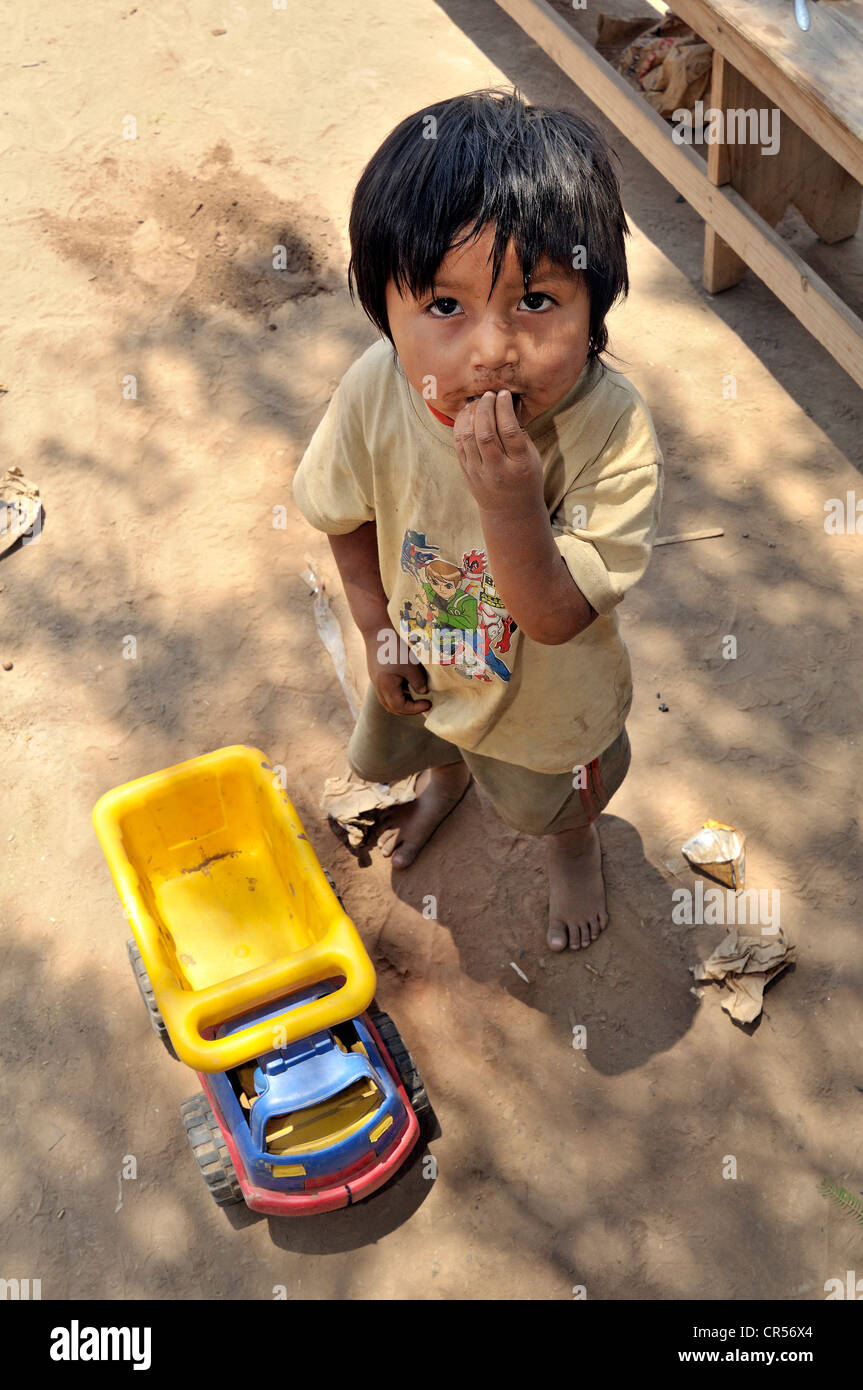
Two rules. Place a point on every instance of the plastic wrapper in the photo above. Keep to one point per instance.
(330, 634)
(718, 850)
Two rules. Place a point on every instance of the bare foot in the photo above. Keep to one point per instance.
(577, 910)
(439, 790)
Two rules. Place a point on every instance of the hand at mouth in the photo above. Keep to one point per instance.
(500, 462)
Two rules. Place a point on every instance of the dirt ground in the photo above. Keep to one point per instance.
(151, 258)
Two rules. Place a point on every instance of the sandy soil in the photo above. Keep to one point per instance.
(151, 258)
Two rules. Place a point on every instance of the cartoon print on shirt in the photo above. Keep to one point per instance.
(457, 615)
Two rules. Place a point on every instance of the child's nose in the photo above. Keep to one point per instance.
(494, 347)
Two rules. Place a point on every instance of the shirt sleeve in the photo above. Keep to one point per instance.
(606, 524)
(333, 485)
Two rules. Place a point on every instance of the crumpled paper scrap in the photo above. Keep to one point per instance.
(20, 507)
(746, 964)
(353, 803)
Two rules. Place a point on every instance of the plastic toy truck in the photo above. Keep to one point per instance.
(254, 975)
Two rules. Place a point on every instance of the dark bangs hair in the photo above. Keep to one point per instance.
(541, 174)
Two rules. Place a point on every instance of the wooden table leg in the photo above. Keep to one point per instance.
(799, 172)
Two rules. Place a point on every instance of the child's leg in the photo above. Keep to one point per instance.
(409, 827)
(549, 806)
(386, 747)
(577, 907)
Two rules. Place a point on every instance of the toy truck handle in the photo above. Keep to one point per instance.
(340, 953)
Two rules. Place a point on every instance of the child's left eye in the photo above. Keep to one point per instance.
(538, 294)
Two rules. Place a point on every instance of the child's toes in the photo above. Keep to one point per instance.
(387, 841)
(598, 924)
(557, 935)
(405, 855)
(579, 935)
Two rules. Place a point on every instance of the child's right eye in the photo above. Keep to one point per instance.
(445, 299)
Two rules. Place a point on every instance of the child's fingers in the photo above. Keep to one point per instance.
(485, 436)
(393, 696)
(511, 434)
(465, 440)
(409, 706)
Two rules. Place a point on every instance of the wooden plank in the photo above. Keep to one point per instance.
(813, 77)
(799, 173)
(721, 266)
(829, 199)
(782, 270)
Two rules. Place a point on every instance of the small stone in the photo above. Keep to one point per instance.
(7, 665)
(664, 707)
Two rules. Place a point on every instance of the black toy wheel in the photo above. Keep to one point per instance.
(210, 1150)
(142, 980)
(407, 1070)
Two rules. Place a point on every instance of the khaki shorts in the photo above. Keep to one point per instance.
(386, 747)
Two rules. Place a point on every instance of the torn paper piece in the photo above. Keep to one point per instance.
(718, 851)
(745, 964)
(354, 803)
(20, 509)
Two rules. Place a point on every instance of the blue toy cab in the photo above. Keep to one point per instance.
(313, 1125)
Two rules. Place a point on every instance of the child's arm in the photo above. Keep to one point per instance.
(531, 575)
(607, 521)
(356, 555)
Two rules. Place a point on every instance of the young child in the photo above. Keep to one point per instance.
(490, 487)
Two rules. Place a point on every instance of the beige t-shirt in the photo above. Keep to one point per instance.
(379, 454)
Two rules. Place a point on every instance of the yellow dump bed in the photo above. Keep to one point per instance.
(229, 905)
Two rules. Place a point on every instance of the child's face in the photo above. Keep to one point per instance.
(457, 342)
